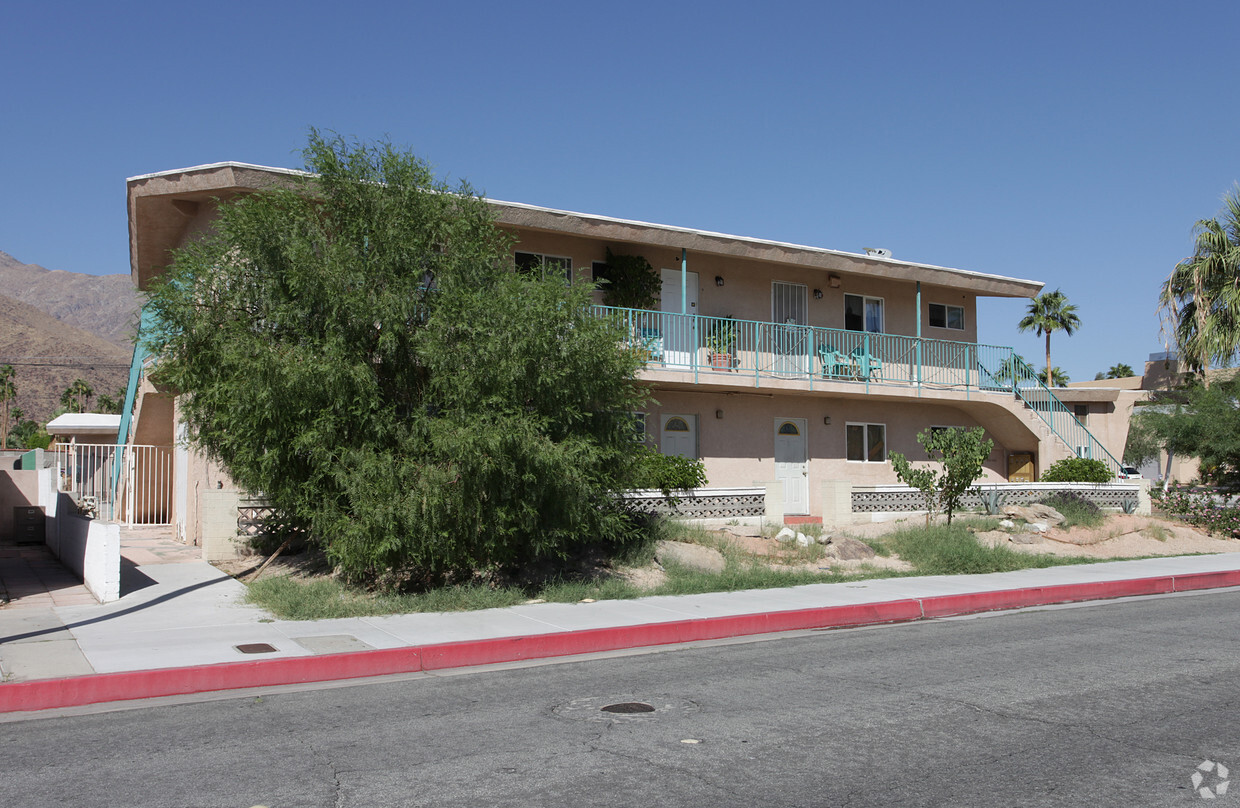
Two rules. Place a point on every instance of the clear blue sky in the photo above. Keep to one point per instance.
(1071, 143)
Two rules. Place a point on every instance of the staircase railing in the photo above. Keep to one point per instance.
(1011, 372)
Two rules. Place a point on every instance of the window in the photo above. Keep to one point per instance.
(866, 443)
(942, 316)
(863, 313)
(639, 427)
(598, 271)
(788, 428)
(532, 263)
(1081, 411)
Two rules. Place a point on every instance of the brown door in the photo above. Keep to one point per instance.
(1020, 467)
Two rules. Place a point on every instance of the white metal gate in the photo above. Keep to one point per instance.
(128, 484)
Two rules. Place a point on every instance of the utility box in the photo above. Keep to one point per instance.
(28, 524)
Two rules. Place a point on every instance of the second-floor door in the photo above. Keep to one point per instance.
(788, 335)
(679, 333)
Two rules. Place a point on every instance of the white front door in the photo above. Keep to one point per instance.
(679, 333)
(678, 436)
(791, 466)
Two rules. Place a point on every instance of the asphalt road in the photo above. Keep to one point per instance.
(1106, 704)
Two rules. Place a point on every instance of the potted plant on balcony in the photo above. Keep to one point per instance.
(721, 342)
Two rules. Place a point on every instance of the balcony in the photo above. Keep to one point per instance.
(707, 346)
(726, 352)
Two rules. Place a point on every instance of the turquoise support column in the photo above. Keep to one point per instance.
(919, 357)
(684, 281)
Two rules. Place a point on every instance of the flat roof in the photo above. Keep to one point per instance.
(200, 182)
(71, 422)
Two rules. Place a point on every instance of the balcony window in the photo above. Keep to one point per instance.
(863, 313)
(942, 316)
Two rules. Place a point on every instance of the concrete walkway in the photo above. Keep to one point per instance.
(183, 627)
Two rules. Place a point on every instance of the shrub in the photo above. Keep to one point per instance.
(1199, 509)
(1076, 509)
(1078, 470)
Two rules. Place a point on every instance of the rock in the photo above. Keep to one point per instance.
(844, 548)
(823, 538)
(1027, 538)
(1034, 513)
(693, 556)
(1007, 523)
(787, 534)
(1036, 527)
(803, 540)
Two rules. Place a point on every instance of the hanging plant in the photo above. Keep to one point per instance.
(630, 282)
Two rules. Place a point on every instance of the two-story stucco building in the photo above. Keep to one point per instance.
(772, 362)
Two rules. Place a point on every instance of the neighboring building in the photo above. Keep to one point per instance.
(83, 427)
(772, 362)
(1162, 376)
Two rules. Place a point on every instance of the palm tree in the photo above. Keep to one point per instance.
(1058, 378)
(1200, 300)
(1120, 371)
(75, 396)
(1050, 311)
(8, 391)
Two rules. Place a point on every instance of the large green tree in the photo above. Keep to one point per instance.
(1200, 300)
(1202, 422)
(358, 348)
(1047, 313)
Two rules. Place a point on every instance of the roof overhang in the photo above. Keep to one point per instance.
(164, 206)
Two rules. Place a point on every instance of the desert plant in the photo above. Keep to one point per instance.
(992, 500)
(1076, 509)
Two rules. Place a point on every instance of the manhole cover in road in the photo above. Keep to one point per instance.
(624, 708)
(627, 707)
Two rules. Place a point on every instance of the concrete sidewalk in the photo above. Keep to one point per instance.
(188, 630)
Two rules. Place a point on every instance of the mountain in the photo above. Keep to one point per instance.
(47, 354)
(105, 305)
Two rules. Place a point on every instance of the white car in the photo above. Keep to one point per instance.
(1128, 473)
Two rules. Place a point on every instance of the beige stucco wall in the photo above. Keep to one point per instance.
(738, 448)
(746, 293)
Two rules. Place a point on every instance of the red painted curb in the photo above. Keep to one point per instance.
(948, 605)
(46, 694)
(1207, 580)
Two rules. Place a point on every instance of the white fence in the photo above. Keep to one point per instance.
(128, 484)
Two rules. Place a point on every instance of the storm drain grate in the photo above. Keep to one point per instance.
(256, 648)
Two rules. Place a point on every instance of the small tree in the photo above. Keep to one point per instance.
(960, 451)
(8, 391)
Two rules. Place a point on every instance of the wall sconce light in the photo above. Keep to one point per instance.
(826, 420)
(817, 294)
(718, 280)
(834, 281)
(719, 413)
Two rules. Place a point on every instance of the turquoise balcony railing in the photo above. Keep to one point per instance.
(708, 346)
